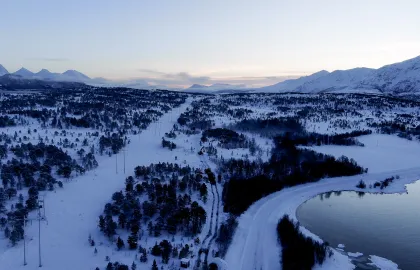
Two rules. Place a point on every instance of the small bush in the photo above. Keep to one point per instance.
(361, 184)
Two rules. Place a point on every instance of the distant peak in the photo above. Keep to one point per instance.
(3, 70)
(322, 72)
(24, 72)
(74, 74)
(197, 86)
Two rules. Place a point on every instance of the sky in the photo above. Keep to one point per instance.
(181, 42)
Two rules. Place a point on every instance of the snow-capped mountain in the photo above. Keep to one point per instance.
(335, 81)
(74, 76)
(3, 71)
(197, 86)
(292, 84)
(398, 78)
(24, 73)
(45, 74)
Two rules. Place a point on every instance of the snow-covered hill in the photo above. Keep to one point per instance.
(45, 74)
(24, 73)
(290, 85)
(398, 78)
(334, 81)
(74, 76)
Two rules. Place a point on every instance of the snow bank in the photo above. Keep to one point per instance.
(383, 263)
(355, 254)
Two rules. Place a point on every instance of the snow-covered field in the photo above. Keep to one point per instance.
(381, 152)
(72, 212)
(252, 246)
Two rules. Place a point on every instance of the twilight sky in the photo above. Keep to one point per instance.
(180, 42)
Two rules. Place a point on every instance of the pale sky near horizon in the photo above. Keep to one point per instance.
(180, 42)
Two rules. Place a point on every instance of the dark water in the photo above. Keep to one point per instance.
(385, 225)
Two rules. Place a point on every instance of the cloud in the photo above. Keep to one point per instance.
(49, 59)
(186, 79)
(180, 76)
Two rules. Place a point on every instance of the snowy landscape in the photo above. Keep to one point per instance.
(119, 178)
(210, 135)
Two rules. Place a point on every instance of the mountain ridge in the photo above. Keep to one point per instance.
(397, 78)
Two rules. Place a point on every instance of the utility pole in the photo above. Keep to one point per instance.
(116, 163)
(123, 150)
(24, 242)
(39, 233)
(41, 204)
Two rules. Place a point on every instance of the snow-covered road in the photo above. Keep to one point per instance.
(255, 245)
(72, 212)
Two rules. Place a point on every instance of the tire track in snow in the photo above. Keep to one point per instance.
(216, 228)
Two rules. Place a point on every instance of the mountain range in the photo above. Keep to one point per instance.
(399, 78)
(17, 82)
(46, 75)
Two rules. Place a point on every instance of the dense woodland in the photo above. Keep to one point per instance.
(288, 166)
(298, 251)
(157, 200)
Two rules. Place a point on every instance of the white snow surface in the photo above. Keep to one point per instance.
(355, 254)
(381, 153)
(255, 237)
(72, 212)
(383, 263)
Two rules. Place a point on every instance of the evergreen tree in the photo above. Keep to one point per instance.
(109, 266)
(122, 220)
(120, 243)
(154, 265)
(133, 266)
(156, 250)
(101, 223)
(132, 241)
(7, 232)
(166, 250)
(143, 257)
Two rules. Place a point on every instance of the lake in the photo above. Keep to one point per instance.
(386, 225)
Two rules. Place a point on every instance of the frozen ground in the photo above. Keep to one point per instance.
(72, 212)
(381, 152)
(255, 237)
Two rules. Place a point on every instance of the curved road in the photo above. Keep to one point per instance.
(255, 246)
